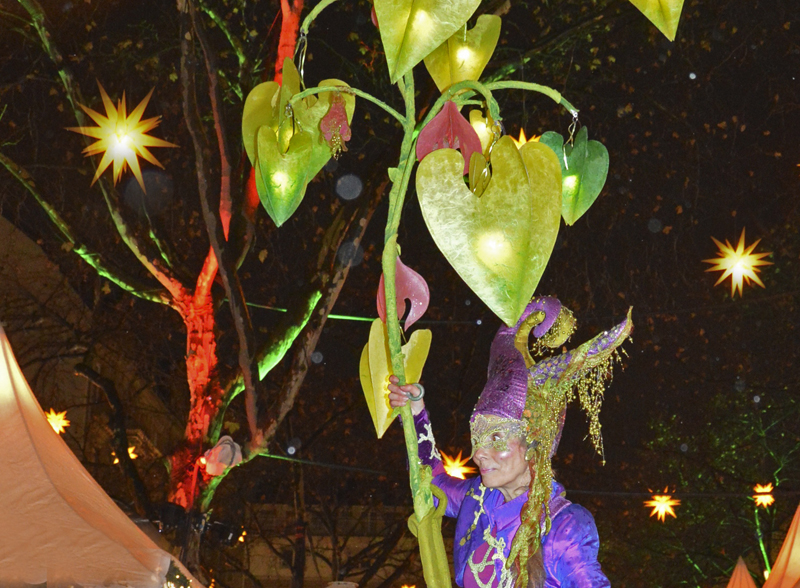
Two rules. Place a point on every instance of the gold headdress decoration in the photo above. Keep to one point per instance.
(552, 384)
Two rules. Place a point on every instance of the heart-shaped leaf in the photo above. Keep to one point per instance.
(294, 149)
(281, 178)
(411, 29)
(498, 243)
(584, 168)
(464, 55)
(449, 130)
(409, 285)
(376, 367)
(664, 14)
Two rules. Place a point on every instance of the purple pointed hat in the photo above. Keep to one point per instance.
(507, 382)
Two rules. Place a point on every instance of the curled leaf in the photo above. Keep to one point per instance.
(376, 367)
(409, 285)
(449, 130)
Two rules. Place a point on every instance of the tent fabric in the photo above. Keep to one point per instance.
(59, 526)
(741, 577)
(786, 569)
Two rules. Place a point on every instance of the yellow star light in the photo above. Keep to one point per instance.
(662, 506)
(763, 495)
(122, 138)
(457, 467)
(57, 420)
(740, 263)
(523, 139)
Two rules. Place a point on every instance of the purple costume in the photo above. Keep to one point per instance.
(569, 550)
(530, 398)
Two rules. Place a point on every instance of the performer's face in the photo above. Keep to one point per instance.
(504, 469)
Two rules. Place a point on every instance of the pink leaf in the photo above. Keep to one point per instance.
(449, 129)
(411, 286)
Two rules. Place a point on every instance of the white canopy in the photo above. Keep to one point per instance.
(58, 525)
(741, 577)
(786, 569)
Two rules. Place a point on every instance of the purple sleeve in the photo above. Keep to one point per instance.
(573, 544)
(454, 488)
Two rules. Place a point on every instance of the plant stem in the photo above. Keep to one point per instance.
(314, 14)
(348, 90)
(546, 90)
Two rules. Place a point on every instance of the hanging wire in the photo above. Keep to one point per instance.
(300, 57)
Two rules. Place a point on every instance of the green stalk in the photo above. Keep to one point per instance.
(761, 546)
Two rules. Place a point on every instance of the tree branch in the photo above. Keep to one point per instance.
(217, 234)
(150, 262)
(120, 439)
(92, 258)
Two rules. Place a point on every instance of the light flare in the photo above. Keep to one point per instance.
(662, 506)
(763, 495)
(457, 467)
(493, 248)
(121, 137)
(523, 139)
(57, 420)
(741, 264)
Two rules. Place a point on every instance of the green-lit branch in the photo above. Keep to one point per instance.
(546, 90)
(236, 44)
(152, 263)
(90, 257)
(315, 12)
(348, 90)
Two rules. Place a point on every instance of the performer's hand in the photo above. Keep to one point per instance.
(399, 395)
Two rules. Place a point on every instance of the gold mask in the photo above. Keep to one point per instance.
(494, 432)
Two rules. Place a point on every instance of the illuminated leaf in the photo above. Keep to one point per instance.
(411, 286)
(375, 369)
(449, 130)
(285, 144)
(664, 14)
(464, 55)
(411, 29)
(498, 243)
(584, 168)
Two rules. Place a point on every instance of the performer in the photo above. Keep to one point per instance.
(514, 526)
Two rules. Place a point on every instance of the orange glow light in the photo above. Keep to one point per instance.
(523, 139)
(457, 467)
(57, 420)
(121, 138)
(662, 506)
(131, 453)
(763, 495)
(740, 263)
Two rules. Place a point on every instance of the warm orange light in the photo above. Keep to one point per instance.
(131, 453)
(662, 506)
(202, 460)
(763, 495)
(740, 263)
(121, 138)
(57, 420)
(242, 536)
(523, 139)
(456, 467)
